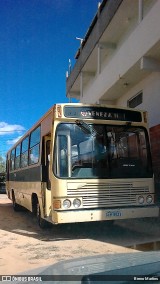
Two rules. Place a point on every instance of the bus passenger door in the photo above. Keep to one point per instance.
(47, 188)
(48, 153)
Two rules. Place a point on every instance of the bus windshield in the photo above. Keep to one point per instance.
(101, 151)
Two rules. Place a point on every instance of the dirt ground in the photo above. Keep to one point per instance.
(25, 246)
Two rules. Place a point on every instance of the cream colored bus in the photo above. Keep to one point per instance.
(82, 163)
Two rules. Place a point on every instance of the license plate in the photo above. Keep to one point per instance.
(113, 213)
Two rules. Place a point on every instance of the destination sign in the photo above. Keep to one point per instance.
(102, 113)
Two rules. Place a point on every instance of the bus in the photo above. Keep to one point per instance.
(83, 163)
(2, 182)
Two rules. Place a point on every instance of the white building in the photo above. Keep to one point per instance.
(119, 62)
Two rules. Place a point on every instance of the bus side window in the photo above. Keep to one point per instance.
(12, 160)
(63, 156)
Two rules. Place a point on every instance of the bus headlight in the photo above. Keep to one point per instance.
(76, 203)
(141, 199)
(149, 199)
(66, 203)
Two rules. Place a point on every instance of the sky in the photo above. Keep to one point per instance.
(37, 39)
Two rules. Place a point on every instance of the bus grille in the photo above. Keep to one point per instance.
(108, 195)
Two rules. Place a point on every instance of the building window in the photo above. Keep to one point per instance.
(136, 100)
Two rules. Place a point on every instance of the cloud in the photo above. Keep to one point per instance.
(13, 141)
(8, 129)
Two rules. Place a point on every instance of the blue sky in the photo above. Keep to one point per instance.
(37, 39)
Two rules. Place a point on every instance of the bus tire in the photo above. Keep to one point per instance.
(41, 222)
(16, 207)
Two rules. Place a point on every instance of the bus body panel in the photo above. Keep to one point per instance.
(23, 192)
(104, 215)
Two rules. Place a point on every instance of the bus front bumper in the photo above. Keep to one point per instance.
(75, 216)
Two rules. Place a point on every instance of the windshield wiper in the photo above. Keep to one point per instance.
(86, 128)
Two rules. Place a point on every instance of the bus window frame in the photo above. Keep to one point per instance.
(18, 157)
(33, 146)
(56, 164)
(25, 151)
(12, 160)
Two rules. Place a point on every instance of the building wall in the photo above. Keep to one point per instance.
(126, 55)
(151, 102)
(115, 65)
(150, 87)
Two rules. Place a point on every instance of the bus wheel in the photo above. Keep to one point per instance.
(41, 222)
(16, 206)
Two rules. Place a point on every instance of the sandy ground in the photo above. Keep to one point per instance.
(25, 246)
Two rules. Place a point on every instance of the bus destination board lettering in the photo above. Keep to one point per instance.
(102, 113)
